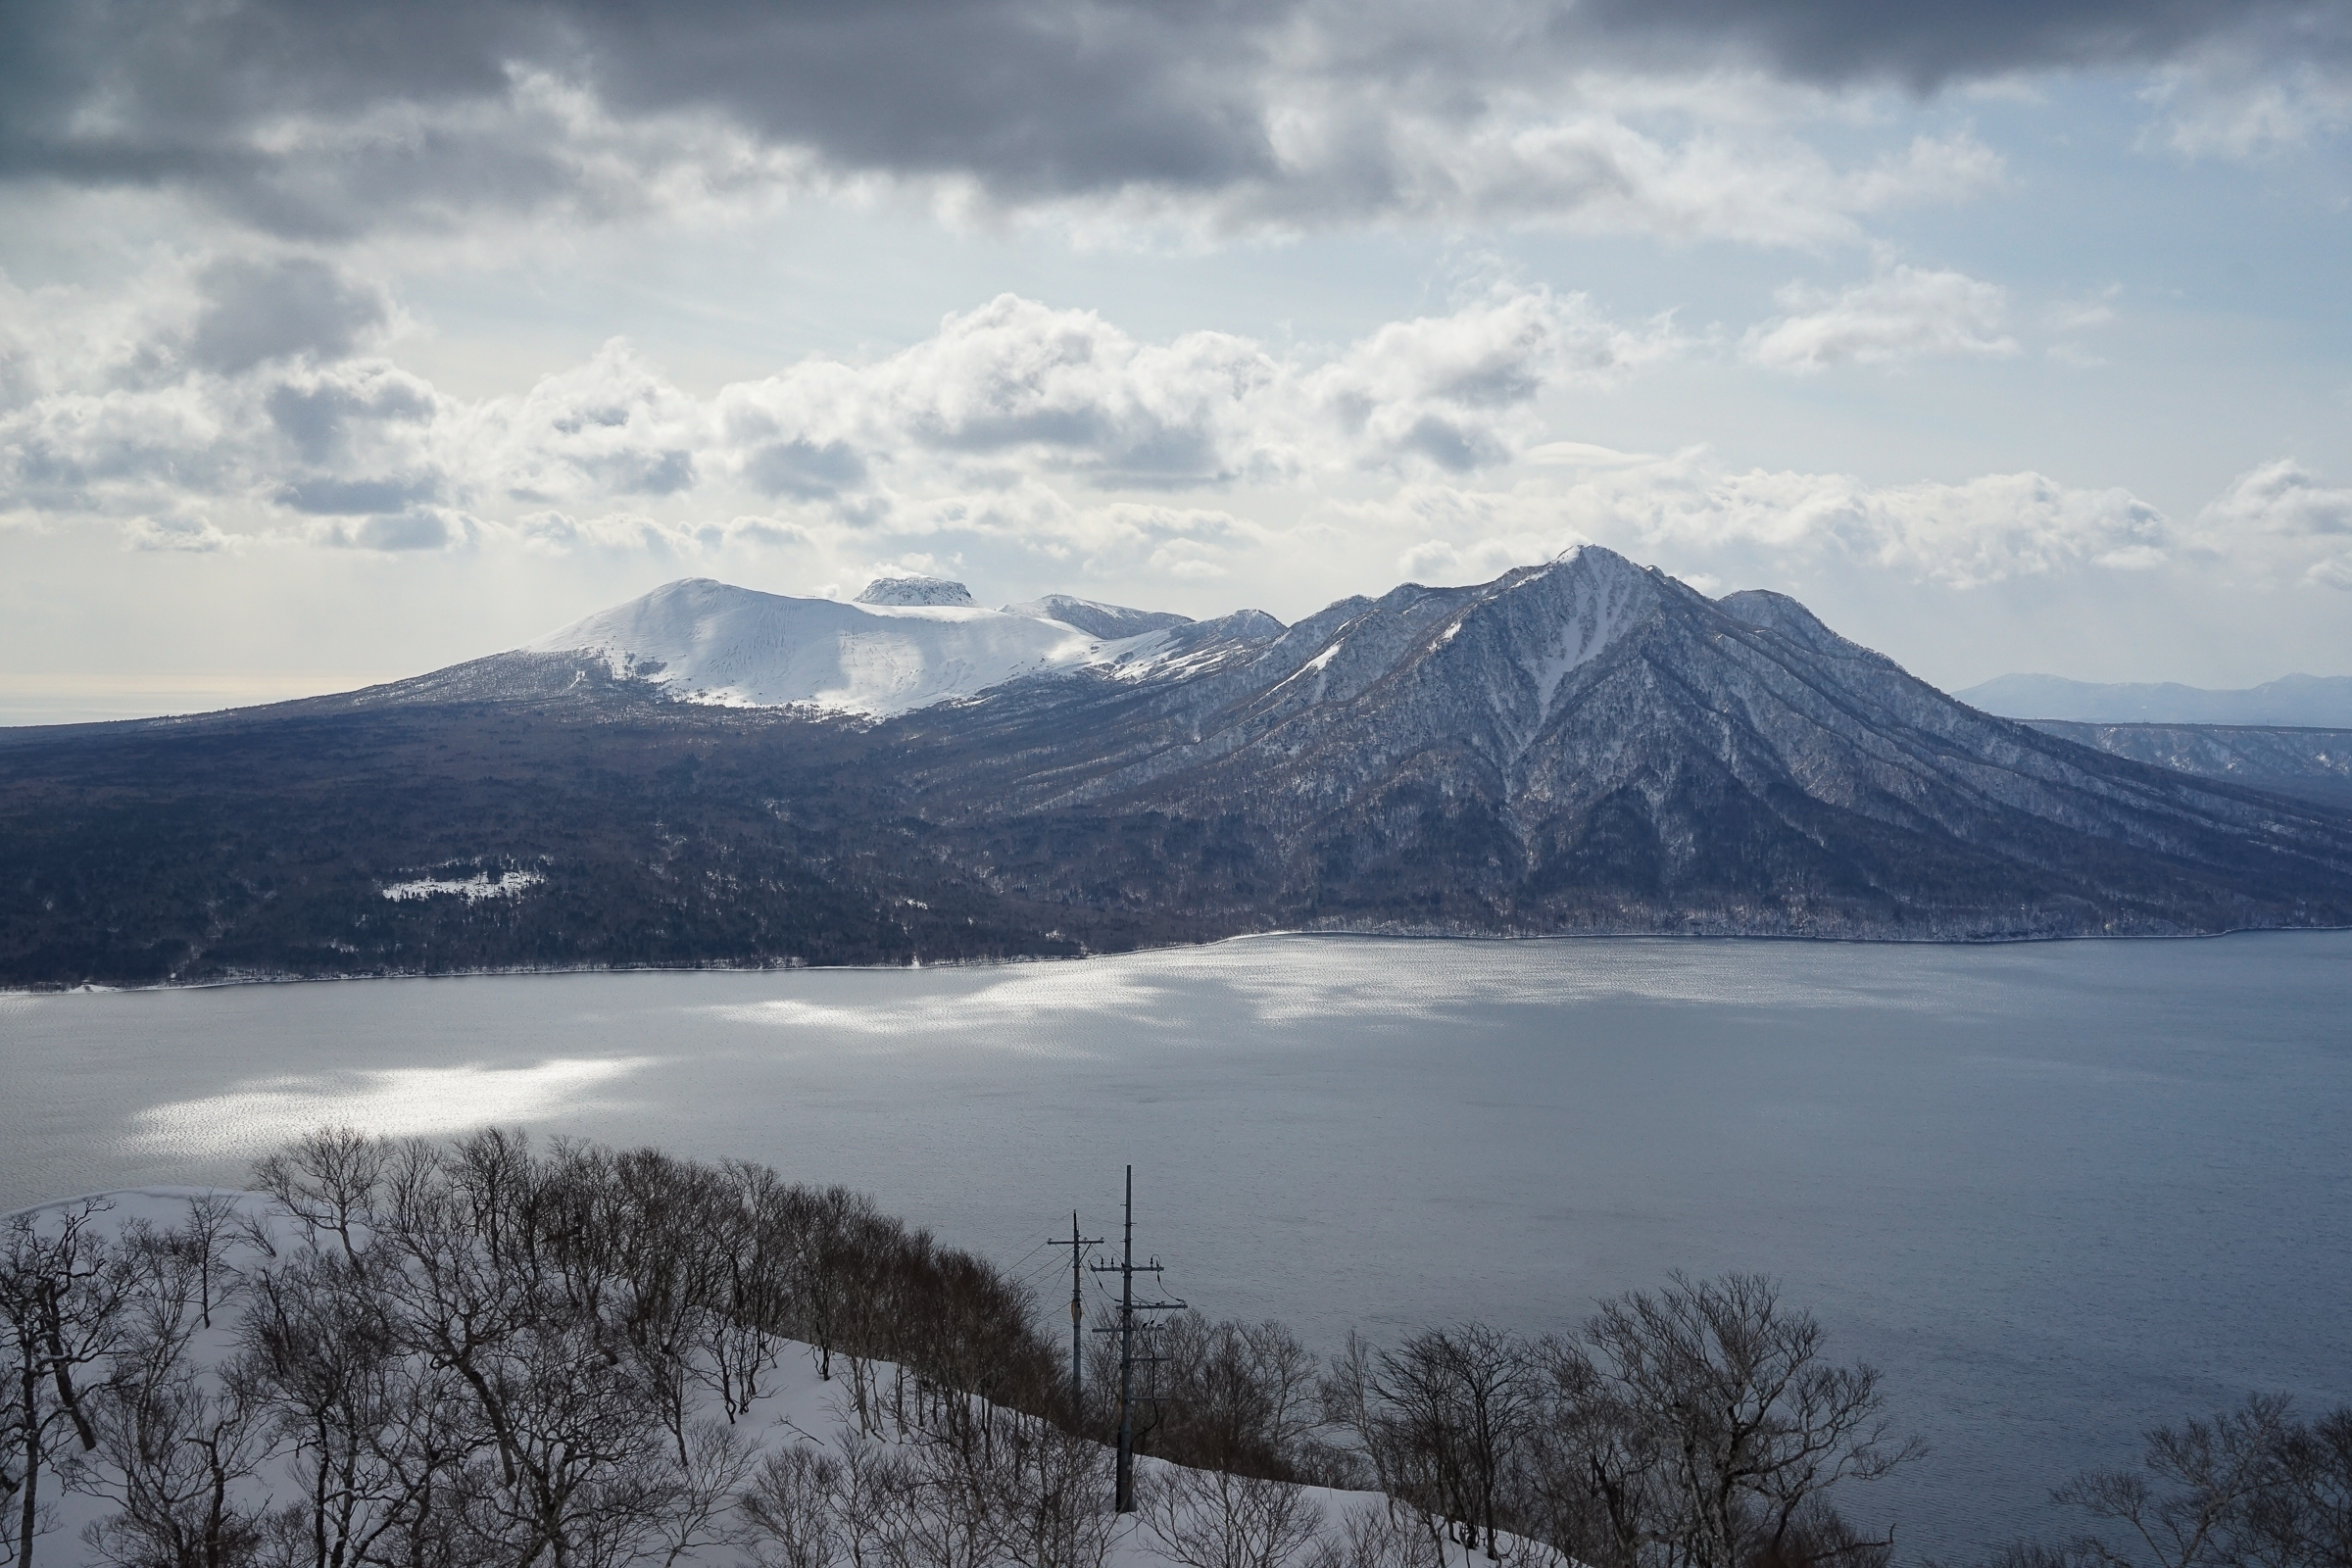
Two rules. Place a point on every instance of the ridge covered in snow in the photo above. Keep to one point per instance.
(906, 643)
(903, 643)
(1096, 618)
(709, 642)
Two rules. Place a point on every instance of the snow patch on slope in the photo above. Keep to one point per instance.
(472, 889)
(1601, 603)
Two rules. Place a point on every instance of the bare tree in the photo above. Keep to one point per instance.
(1216, 1519)
(1353, 1403)
(371, 1429)
(177, 1439)
(62, 1296)
(327, 1180)
(202, 1241)
(870, 1487)
(698, 1506)
(1466, 1396)
(2197, 1497)
(792, 1510)
(751, 1288)
(825, 1230)
(1053, 1490)
(1230, 1395)
(179, 1443)
(1598, 1479)
(1754, 1426)
(1443, 1419)
(1371, 1537)
(2306, 1515)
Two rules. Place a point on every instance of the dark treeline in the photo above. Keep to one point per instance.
(489, 1353)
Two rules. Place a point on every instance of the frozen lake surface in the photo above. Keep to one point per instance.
(2057, 1191)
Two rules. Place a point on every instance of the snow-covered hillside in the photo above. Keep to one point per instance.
(807, 1452)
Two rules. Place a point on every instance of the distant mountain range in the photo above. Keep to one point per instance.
(711, 775)
(2323, 702)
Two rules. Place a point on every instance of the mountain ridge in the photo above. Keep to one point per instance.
(1586, 745)
(2320, 701)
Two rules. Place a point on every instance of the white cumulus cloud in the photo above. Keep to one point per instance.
(1001, 403)
(2280, 515)
(1902, 313)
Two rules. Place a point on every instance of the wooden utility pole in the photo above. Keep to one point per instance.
(1077, 1244)
(1127, 1268)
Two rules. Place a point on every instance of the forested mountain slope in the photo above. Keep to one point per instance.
(1579, 747)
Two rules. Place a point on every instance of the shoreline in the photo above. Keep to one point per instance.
(518, 971)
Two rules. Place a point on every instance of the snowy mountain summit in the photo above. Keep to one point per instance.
(916, 591)
(903, 643)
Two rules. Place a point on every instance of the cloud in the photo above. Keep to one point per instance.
(2280, 515)
(1003, 406)
(2280, 498)
(1026, 432)
(1687, 510)
(320, 120)
(2241, 106)
(187, 535)
(412, 528)
(258, 310)
(1016, 385)
(2275, 525)
(1717, 157)
(1929, 46)
(1902, 313)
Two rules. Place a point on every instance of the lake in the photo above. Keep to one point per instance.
(2056, 1191)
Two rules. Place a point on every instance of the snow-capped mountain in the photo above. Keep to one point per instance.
(903, 643)
(1585, 745)
(1588, 744)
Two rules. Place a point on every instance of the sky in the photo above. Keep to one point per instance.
(341, 342)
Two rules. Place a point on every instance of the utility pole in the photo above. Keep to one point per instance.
(1127, 1268)
(1077, 1244)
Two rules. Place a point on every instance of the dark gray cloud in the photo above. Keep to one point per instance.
(1927, 45)
(804, 471)
(259, 311)
(417, 528)
(346, 498)
(320, 418)
(1034, 98)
